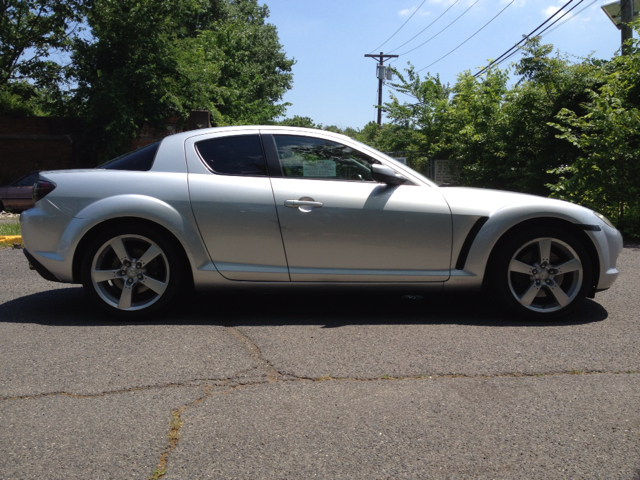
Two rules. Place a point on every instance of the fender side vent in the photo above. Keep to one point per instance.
(466, 246)
(589, 228)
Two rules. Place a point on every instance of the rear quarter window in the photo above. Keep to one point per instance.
(140, 160)
(236, 155)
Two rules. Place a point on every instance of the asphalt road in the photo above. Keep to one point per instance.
(316, 386)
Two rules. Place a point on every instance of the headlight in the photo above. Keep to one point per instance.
(604, 219)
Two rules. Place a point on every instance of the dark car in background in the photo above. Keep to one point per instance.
(17, 196)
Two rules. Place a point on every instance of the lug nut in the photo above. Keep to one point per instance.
(535, 272)
(130, 281)
(127, 263)
(548, 282)
(139, 265)
(140, 277)
(121, 273)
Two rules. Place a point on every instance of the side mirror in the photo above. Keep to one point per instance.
(383, 174)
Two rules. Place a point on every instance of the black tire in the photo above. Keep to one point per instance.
(131, 272)
(534, 286)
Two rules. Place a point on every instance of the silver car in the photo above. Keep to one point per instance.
(279, 207)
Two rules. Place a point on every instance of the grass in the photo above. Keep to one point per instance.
(10, 228)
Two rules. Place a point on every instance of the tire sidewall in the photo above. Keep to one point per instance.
(169, 247)
(500, 272)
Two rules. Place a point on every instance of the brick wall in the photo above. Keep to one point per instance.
(48, 143)
(36, 143)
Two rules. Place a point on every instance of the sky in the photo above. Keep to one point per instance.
(334, 84)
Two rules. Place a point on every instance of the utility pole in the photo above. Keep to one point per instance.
(381, 74)
(621, 13)
(626, 16)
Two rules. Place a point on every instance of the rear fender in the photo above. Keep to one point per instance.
(177, 219)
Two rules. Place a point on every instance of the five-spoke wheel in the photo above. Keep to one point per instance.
(542, 273)
(131, 272)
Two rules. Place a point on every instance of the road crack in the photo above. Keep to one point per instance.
(272, 374)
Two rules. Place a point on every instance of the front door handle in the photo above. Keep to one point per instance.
(305, 204)
(302, 203)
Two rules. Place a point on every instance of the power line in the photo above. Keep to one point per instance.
(539, 34)
(450, 7)
(416, 11)
(477, 31)
(572, 17)
(423, 43)
(564, 15)
(499, 60)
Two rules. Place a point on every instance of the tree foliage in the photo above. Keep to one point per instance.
(154, 59)
(606, 173)
(566, 128)
(141, 63)
(32, 32)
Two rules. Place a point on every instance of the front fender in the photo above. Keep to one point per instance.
(504, 219)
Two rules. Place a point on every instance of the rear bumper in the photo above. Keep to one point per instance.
(38, 267)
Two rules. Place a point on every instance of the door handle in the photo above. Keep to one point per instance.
(302, 203)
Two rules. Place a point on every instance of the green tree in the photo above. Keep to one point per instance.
(606, 130)
(31, 33)
(298, 121)
(495, 135)
(153, 59)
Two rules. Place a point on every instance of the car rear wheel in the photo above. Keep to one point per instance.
(542, 274)
(132, 272)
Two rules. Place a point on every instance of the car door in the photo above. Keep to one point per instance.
(339, 225)
(233, 205)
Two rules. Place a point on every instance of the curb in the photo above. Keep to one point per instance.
(10, 239)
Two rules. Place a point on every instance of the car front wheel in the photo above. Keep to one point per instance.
(132, 272)
(542, 274)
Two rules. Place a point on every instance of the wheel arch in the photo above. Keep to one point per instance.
(119, 222)
(546, 222)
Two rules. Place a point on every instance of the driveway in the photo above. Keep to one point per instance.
(316, 386)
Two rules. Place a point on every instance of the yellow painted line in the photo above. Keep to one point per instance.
(10, 239)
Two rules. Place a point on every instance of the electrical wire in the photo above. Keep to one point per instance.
(476, 32)
(450, 7)
(423, 43)
(416, 11)
(498, 61)
(564, 15)
(572, 17)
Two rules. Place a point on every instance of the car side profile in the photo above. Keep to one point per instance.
(268, 207)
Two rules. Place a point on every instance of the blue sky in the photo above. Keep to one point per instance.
(335, 84)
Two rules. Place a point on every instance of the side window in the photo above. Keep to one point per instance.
(315, 158)
(240, 155)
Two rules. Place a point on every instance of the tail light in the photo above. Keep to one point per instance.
(41, 189)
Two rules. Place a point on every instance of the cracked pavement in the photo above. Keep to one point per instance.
(316, 386)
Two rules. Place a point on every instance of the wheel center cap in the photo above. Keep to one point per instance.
(543, 274)
(132, 272)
